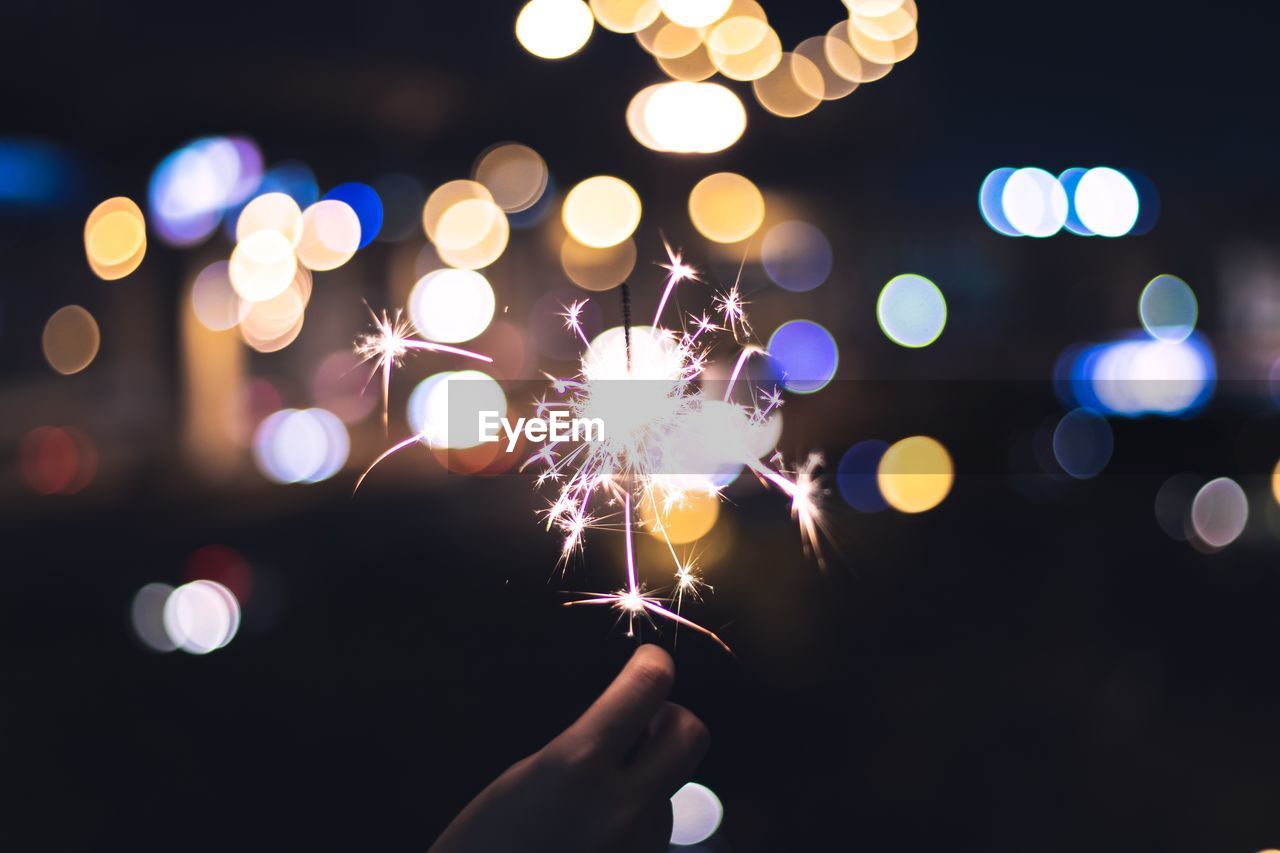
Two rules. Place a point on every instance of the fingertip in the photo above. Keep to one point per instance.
(652, 665)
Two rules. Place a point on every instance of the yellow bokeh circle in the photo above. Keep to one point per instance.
(791, 89)
(271, 212)
(115, 238)
(262, 265)
(554, 29)
(70, 340)
(625, 16)
(597, 269)
(680, 521)
(472, 234)
(726, 207)
(330, 235)
(515, 175)
(915, 474)
(601, 211)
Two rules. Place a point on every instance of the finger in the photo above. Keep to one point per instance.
(672, 752)
(623, 712)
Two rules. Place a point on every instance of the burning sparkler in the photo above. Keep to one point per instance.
(666, 438)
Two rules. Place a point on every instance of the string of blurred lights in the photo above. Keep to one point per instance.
(1101, 202)
(693, 40)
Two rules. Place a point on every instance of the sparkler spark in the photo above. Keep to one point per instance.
(388, 344)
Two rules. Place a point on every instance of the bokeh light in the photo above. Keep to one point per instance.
(1219, 512)
(115, 238)
(991, 201)
(865, 36)
(804, 356)
(601, 211)
(57, 460)
(695, 66)
(665, 39)
(330, 235)
(1070, 179)
(915, 474)
(911, 311)
(1106, 202)
(744, 48)
(214, 300)
(146, 613)
(70, 340)
(514, 174)
(696, 813)
(293, 178)
(835, 85)
(429, 415)
(201, 616)
(597, 269)
(1082, 443)
(554, 29)
(743, 26)
(192, 187)
(262, 265)
(472, 233)
(36, 173)
(1139, 376)
(791, 89)
(364, 200)
(625, 16)
(686, 117)
(341, 386)
(885, 26)
(224, 565)
(1087, 202)
(796, 255)
(451, 305)
(873, 8)
(272, 324)
(857, 476)
(845, 60)
(1168, 309)
(694, 13)
(726, 207)
(1034, 203)
(274, 211)
(446, 196)
(301, 445)
(683, 521)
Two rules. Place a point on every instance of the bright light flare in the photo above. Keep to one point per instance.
(694, 13)
(601, 211)
(554, 29)
(686, 118)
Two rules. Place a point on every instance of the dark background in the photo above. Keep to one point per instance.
(1033, 666)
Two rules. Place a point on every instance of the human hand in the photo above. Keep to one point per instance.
(604, 784)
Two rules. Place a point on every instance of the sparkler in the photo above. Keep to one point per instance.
(666, 438)
(645, 383)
